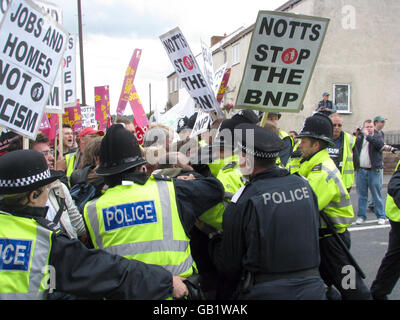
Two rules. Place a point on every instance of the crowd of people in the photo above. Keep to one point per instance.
(224, 215)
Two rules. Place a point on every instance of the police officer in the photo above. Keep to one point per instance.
(344, 153)
(333, 199)
(141, 217)
(270, 228)
(33, 250)
(389, 272)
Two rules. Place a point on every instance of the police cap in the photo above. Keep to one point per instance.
(258, 141)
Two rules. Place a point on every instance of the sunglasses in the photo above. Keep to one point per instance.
(338, 125)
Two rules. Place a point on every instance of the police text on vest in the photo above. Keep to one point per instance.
(129, 214)
(15, 254)
(286, 196)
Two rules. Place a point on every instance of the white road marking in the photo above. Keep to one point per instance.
(369, 227)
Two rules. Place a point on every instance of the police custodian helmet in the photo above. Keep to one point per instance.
(119, 151)
(318, 126)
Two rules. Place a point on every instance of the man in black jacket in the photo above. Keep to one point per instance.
(370, 145)
(270, 229)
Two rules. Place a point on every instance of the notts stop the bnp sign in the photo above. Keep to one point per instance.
(283, 51)
(31, 49)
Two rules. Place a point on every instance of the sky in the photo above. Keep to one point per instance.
(112, 29)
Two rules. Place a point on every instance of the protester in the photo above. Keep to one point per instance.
(68, 219)
(73, 159)
(68, 139)
(276, 260)
(370, 174)
(81, 272)
(127, 124)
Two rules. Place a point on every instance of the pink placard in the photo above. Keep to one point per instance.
(128, 81)
(73, 117)
(140, 120)
(102, 106)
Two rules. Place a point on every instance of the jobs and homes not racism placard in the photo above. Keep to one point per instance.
(188, 70)
(31, 49)
(283, 52)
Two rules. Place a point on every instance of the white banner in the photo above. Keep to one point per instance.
(283, 51)
(31, 49)
(69, 79)
(188, 70)
(208, 64)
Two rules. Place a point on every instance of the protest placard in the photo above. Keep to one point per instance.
(223, 85)
(69, 73)
(128, 81)
(140, 120)
(73, 117)
(189, 72)
(102, 105)
(31, 49)
(88, 117)
(283, 50)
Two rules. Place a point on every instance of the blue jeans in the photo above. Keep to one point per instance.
(372, 180)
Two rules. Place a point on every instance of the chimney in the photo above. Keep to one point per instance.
(216, 39)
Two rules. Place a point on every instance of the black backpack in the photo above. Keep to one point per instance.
(81, 193)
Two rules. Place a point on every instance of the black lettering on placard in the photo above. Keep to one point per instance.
(21, 116)
(24, 17)
(204, 101)
(67, 77)
(34, 59)
(274, 73)
(68, 94)
(303, 55)
(70, 43)
(13, 77)
(281, 28)
(54, 97)
(54, 39)
(4, 5)
(194, 81)
(68, 60)
(255, 97)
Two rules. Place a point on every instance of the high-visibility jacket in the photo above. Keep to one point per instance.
(232, 180)
(283, 135)
(141, 222)
(293, 164)
(392, 211)
(219, 163)
(347, 164)
(70, 159)
(333, 198)
(24, 258)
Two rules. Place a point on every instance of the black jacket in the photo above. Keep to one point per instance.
(376, 144)
(271, 228)
(96, 274)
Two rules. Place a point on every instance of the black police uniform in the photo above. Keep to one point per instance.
(270, 235)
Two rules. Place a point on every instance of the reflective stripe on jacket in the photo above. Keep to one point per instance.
(141, 222)
(24, 257)
(326, 181)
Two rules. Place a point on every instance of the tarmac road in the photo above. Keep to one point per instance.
(369, 242)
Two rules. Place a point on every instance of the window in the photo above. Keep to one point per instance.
(341, 97)
(171, 85)
(235, 54)
(176, 84)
